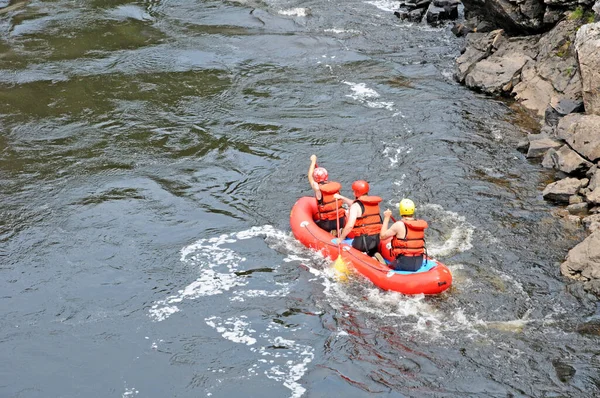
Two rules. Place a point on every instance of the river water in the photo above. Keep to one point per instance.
(150, 152)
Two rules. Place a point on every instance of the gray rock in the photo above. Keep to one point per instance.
(548, 161)
(552, 15)
(583, 136)
(594, 196)
(594, 175)
(555, 74)
(561, 190)
(593, 227)
(587, 45)
(423, 3)
(578, 208)
(583, 261)
(590, 220)
(538, 148)
(565, 106)
(446, 3)
(496, 74)
(570, 162)
(416, 15)
(564, 124)
(401, 13)
(516, 17)
(575, 199)
(523, 146)
(479, 46)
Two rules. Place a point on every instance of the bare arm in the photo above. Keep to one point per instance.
(344, 199)
(311, 180)
(385, 232)
(352, 215)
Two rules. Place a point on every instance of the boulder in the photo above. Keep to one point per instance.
(548, 161)
(587, 45)
(497, 74)
(583, 136)
(578, 208)
(560, 107)
(552, 15)
(538, 147)
(515, 17)
(594, 196)
(561, 190)
(479, 46)
(575, 199)
(589, 220)
(562, 129)
(554, 76)
(570, 162)
(594, 175)
(583, 261)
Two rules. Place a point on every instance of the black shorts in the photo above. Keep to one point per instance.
(407, 263)
(331, 225)
(366, 243)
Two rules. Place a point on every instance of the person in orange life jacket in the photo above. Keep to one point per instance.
(364, 219)
(328, 209)
(408, 242)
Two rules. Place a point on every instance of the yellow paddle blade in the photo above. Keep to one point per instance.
(341, 269)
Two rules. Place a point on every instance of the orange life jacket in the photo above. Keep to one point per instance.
(413, 243)
(369, 223)
(327, 209)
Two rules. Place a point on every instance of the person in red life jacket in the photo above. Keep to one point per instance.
(328, 208)
(364, 219)
(408, 242)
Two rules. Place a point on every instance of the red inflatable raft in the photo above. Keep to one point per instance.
(432, 278)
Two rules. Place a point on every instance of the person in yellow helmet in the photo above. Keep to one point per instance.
(408, 237)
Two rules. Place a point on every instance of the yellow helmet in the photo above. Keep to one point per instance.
(407, 207)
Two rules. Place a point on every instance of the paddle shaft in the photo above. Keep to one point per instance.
(337, 220)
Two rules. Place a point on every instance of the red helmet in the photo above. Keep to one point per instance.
(360, 188)
(320, 174)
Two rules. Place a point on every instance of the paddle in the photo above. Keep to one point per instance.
(339, 265)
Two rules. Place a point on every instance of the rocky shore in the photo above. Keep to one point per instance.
(546, 54)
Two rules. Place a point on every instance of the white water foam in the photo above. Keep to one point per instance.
(130, 392)
(385, 5)
(364, 95)
(339, 31)
(393, 154)
(461, 236)
(211, 259)
(279, 358)
(233, 329)
(295, 12)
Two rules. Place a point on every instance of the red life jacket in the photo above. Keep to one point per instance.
(413, 243)
(369, 223)
(326, 207)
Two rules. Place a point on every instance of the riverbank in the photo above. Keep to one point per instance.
(548, 58)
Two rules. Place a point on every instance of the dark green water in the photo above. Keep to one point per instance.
(150, 153)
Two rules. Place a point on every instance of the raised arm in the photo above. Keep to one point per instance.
(311, 169)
